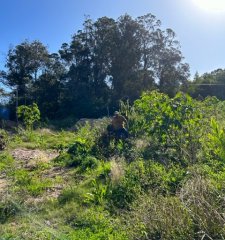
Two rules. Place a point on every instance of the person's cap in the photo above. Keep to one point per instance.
(116, 113)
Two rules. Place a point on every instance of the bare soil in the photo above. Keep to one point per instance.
(29, 158)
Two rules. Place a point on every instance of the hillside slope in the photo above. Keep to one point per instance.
(167, 181)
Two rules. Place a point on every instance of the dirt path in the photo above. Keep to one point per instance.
(29, 158)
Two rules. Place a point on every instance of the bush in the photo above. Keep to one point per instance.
(93, 223)
(29, 115)
(68, 160)
(6, 162)
(157, 217)
(8, 209)
(176, 124)
(89, 162)
(4, 138)
(127, 188)
(79, 147)
(123, 194)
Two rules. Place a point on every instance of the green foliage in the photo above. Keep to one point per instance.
(93, 223)
(176, 124)
(8, 208)
(38, 186)
(78, 148)
(215, 144)
(65, 159)
(86, 78)
(29, 114)
(157, 217)
(24, 63)
(4, 139)
(42, 139)
(98, 194)
(79, 153)
(30, 182)
(165, 182)
(6, 162)
(71, 194)
(89, 162)
(22, 177)
(208, 84)
(123, 192)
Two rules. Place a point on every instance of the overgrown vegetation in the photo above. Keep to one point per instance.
(165, 182)
(29, 115)
(107, 60)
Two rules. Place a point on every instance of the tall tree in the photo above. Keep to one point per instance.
(114, 59)
(126, 58)
(86, 87)
(169, 70)
(24, 64)
(48, 89)
(108, 60)
(208, 84)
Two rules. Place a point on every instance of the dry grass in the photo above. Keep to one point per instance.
(206, 206)
(117, 169)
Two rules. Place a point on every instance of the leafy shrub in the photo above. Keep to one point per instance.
(79, 153)
(214, 144)
(175, 123)
(29, 114)
(124, 193)
(73, 157)
(78, 148)
(82, 161)
(69, 160)
(89, 162)
(103, 171)
(155, 178)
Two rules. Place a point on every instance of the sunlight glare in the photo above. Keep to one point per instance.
(211, 5)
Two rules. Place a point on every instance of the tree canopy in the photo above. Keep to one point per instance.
(209, 84)
(107, 61)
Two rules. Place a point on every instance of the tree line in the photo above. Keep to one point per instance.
(108, 60)
(208, 84)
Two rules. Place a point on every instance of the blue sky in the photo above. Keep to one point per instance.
(201, 33)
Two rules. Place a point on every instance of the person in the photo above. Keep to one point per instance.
(117, 126)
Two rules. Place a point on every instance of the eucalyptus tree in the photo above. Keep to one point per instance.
(86, 88)
(162, 59)
(24, 64)
(109, 60)
(47, 90)
(169, 68)
(126, 56)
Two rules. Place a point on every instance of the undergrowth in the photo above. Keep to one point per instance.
(165, 182)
